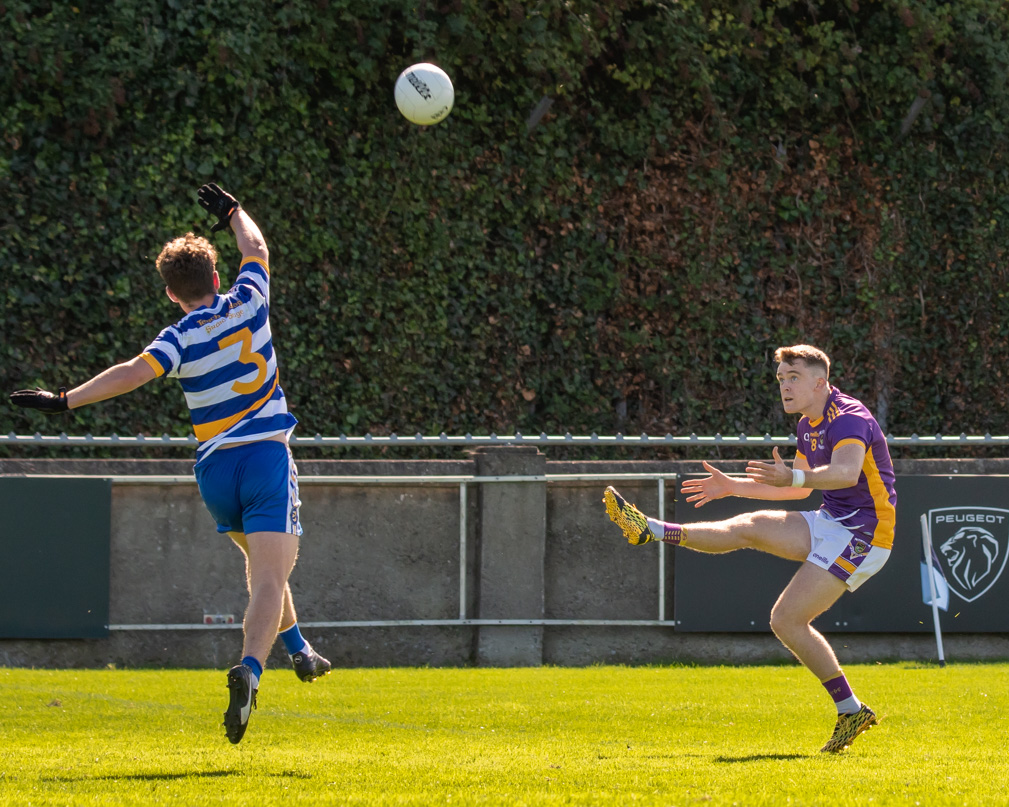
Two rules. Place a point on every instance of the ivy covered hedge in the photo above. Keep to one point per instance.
(711, 180)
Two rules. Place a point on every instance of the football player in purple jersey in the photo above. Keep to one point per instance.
(842, 452)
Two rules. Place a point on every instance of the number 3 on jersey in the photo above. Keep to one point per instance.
(247, 356)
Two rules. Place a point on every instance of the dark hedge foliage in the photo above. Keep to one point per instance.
(712, 180)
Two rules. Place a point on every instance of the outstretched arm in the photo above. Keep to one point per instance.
(842, 471)
(124, 377)
(250, 240)
(117, 380)
(222, 204)
(719, 485)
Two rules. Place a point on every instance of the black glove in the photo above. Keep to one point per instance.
(41, 399)
(218, 203)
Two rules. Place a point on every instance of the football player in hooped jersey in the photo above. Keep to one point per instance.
(841, 452)
(221, 352)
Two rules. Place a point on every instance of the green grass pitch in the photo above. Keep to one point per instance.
(598, 735)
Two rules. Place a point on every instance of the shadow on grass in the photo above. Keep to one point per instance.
(760, 757)
(144, 777)
(166, 777)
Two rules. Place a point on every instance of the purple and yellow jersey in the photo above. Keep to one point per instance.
(870, 506)
(223, 356)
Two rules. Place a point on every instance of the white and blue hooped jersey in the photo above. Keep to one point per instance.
(223, 356)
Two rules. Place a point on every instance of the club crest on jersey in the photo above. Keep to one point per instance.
(859, 549)
(973, 546)
(815, 441)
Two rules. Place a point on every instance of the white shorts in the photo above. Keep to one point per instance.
(840, 551)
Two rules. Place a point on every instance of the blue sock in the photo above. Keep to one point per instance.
(257, 669)
(293, 640)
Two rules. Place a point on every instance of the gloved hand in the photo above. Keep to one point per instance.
(218, 203)
(41, 399)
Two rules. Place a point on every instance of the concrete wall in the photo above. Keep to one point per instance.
(534, 551)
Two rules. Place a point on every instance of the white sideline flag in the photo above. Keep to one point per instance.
(930, 583)
(939, 584)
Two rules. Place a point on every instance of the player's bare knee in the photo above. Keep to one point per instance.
(785, 624)
(268, 585)
(748, 529)
(776, 622)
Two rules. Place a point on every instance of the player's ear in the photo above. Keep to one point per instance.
(217, 281)
(171, 296)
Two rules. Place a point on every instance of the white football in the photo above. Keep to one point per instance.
(424, 94)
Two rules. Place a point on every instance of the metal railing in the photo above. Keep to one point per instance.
(463, 481)
(408, 441)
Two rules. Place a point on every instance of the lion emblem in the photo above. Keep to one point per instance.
(971, 555)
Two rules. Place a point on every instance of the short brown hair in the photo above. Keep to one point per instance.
(187, 266)
(809, 355)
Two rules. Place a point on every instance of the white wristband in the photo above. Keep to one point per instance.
(798, 477)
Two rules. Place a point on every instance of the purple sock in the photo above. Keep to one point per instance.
(674, 534)
(668, 532)
(840, 691)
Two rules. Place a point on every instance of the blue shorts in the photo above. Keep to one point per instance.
(251, 488)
